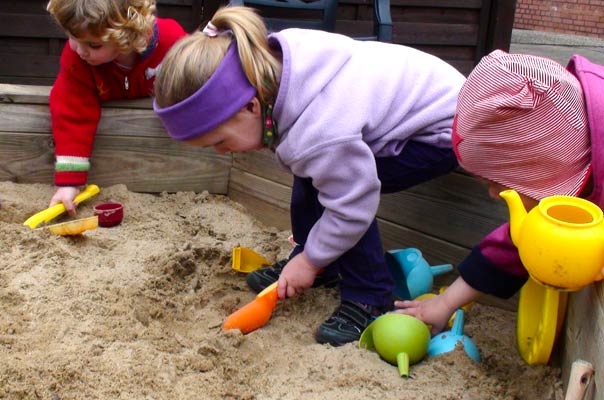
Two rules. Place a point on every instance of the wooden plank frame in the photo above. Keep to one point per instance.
(131, 147)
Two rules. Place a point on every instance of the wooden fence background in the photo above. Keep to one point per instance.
(459, 31)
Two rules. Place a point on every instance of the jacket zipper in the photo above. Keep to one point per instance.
(126, 82)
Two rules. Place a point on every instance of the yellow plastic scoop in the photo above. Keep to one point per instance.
(540, 317)
(247, 260)
(74, 227)
(58, 209)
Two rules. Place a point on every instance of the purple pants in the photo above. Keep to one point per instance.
(363, 269)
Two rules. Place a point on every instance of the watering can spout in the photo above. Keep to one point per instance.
(517, 212)
(402, 362)
(441, 269)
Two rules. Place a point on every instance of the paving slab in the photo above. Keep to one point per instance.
(557, 46)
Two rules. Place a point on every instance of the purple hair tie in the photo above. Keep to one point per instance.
(221, 97)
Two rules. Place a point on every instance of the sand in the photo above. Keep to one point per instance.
(135, 312)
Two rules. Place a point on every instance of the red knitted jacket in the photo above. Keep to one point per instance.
(79, 90)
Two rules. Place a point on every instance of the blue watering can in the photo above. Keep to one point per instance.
(411, 273)
(447, 341)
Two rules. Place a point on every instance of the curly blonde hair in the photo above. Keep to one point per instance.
(127, 23)
(192, 60)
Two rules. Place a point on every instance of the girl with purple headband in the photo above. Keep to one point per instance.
(349, 119)
(525, 123)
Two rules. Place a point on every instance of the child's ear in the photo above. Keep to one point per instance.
(254, 106)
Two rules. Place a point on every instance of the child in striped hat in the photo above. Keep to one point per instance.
(525, 123)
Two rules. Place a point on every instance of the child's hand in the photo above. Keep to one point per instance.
(436, 310)
(432, 311)
(297, 276)
(65, 195)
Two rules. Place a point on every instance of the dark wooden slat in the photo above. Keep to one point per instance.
(15, 46)
(483, 30)
(432, 15)
(471, 4)
(435, 34)
(417, 34)
(31, 66)
(19, 80)
(438, 3)
(29, 25)
(23, 6)
(501, 17)
(184, 15)
(175, 2)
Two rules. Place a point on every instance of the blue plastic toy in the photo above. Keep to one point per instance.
(447, 341)
(411, 273)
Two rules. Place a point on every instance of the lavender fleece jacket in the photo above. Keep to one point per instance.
(494, 266)
(341, 104)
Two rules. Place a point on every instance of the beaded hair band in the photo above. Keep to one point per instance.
(269, 131)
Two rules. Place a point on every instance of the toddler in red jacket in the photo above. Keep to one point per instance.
(114, 51)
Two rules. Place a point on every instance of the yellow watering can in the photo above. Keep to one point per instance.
(560, 241)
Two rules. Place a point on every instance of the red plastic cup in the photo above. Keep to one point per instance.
(110, 214)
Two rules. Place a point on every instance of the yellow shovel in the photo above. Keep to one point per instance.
(247, 260)
(58, 209)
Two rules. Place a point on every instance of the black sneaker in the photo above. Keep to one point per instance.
(263, 277)
(348, 322)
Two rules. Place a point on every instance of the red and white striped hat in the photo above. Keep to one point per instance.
(521, 122)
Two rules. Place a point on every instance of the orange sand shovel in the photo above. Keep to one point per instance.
(255, 314)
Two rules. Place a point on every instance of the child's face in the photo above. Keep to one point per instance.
(495, 188)
(93, 50)
(242, 132)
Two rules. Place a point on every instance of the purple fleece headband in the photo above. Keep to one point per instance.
(221, 97)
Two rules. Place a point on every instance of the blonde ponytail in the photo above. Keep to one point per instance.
(193, 60)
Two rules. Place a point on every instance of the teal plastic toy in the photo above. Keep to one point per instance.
(399, 339)
(411, 273)
(447, 341)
